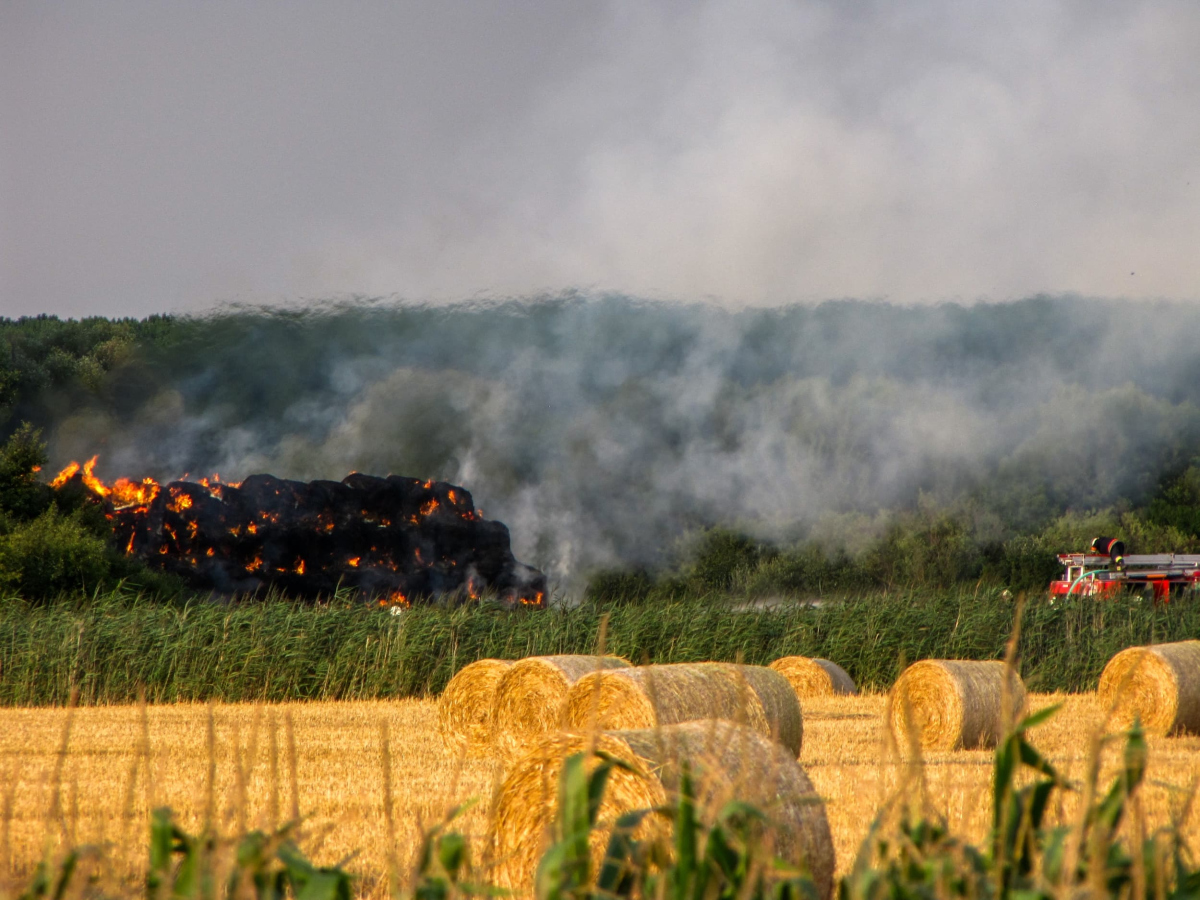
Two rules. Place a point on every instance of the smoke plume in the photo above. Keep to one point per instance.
(602, 429)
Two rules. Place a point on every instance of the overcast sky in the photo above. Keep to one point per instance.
(173, 156)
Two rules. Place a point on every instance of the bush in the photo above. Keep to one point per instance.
(927, 552)
(1177, 504)
(721, 556)
(619, 586)
(52, 555)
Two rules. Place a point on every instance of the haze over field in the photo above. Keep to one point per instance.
(601, 429)
(735, 163)
(170, 157)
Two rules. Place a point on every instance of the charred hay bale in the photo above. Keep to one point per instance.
(952, 704)
(530, 696)
(727, 761)
(812, 677)
(1159, 685)
(392, 540)
(652, 696)
(465, 707)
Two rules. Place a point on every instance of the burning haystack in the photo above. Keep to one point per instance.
(395, 540)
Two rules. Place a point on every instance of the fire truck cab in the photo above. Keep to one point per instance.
(1158, 575)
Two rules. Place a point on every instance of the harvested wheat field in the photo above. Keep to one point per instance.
(339, 765)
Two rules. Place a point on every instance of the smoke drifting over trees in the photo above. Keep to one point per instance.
(602, 429)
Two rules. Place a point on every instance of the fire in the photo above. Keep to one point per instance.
(94, 484)
(215, 530)
(65, 475)
(131, 493)
(395, 598)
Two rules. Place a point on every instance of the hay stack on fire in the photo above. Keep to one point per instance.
(394, 540)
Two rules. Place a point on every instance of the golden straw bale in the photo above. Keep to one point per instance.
(952, 704)
(779, 703)
(465, 706)
(728, 762)
(811, 677)
(650, 696)
(531, 695)
(1159, 684)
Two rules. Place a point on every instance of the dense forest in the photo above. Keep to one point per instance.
(640, 449)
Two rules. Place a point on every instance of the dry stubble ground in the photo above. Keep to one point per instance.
(340, 764)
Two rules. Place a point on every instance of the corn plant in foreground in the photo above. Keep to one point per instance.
(1105, 851)
(1027, 858)
(259, 865)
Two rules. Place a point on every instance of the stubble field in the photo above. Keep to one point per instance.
(336, 776)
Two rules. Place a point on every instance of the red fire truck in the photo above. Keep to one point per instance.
(1158, 575)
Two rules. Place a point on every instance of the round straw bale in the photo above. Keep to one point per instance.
(465, 706)
(779, 703)
(1159, 684)
(651, 696)
(811, 677)
(952, 704)
(728, 761)
(531, 695)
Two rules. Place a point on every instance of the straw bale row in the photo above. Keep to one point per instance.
(502, 707)
(654, 696)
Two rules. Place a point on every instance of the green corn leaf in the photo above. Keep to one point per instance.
(325, 885)
(622, 857)
(452, 854)
(1034, 719)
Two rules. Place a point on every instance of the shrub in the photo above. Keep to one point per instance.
(52, 555)
(721, 556)
(22, 496)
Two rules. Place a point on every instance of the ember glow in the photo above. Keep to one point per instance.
(392, 540)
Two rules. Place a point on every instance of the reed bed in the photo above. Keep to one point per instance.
(113, 646)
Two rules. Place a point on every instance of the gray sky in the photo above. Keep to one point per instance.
(171, 156)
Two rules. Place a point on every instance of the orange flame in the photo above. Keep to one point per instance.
(131, 493)
(353, 561)
(65, 475)
(395, 598)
